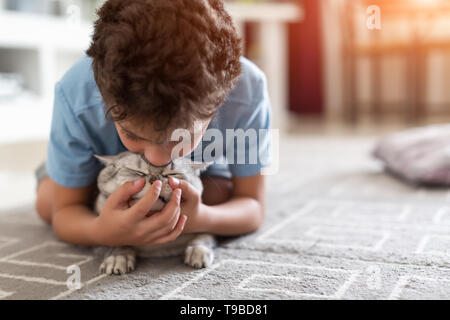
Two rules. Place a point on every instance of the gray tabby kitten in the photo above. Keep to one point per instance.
(128, 166)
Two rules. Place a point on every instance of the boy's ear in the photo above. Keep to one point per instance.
(106, 160)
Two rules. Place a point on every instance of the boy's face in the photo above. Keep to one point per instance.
(157, 152)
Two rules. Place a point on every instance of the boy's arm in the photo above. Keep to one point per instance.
(118, 224)
(72, 219)
(243, 213)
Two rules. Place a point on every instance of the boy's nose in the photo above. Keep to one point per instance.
(159, 164)
(158, 159)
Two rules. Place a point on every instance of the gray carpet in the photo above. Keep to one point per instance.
(337, 227)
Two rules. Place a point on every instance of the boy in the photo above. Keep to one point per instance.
(154, 66)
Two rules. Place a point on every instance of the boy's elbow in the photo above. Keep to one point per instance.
(258, 219)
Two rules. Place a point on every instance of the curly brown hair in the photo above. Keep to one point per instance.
(167, 62)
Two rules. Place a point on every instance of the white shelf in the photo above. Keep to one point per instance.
(40, 48)
(263, 12)
(40, 31)
(50, 38)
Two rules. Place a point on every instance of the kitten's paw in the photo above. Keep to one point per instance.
(118, 264)
(198, 256)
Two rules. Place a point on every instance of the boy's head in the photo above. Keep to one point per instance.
(163, 64)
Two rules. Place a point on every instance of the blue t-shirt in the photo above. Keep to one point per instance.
(79, 128)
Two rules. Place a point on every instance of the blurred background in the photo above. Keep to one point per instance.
(335, 68)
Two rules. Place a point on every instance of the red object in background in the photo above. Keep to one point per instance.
(305, 62)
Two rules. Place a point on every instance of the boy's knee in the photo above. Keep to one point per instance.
(43, 204)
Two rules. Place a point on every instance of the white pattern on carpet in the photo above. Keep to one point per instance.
(337, 227)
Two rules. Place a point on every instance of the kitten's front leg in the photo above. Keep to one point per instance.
(119, 261)
(199, 252)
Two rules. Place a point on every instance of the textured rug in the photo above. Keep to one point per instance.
(337, 227)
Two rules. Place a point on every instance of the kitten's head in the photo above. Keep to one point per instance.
(128, 166)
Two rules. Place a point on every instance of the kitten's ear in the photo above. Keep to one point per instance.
(202, 165)
(106, 160)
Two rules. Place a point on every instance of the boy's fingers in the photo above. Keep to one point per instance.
(145, 204)
(132, 202)
(175, 233)
(156, 230)
(158, 224)
(169, 209)
(174, 202)
(187, 188)
(126, 191)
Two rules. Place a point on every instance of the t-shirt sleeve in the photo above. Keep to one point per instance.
(256, 122)
(70, 160)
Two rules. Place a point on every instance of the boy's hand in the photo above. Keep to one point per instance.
(190, 205)
(118, 224)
